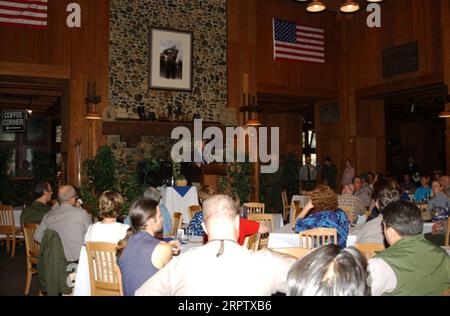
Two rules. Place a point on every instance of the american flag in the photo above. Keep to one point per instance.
(32, 13)
(298, 42)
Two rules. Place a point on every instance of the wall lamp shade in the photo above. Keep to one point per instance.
(444, 115)
(93, 116)
(254, 123)
(316, 6)
(349, 7)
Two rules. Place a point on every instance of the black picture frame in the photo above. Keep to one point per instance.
(170, 59)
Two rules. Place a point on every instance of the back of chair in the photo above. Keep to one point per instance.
(7, 224)
(105, 280)
(315, 238)
(285, 201)
(252, 242)
(295, 252)
(349, 212)
(31, 245)
(369, 250)
(194, 209)
(176, 223)
(447, 234)
(254, 207)
(266, 219)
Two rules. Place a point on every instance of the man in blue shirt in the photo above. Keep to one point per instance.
(424, 191)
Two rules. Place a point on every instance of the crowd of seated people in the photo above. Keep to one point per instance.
(410, 265)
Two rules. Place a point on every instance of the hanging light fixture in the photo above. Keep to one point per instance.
(349, 6)
(30, 108)
(316, 6)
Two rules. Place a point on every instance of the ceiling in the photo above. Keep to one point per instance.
(45, 95)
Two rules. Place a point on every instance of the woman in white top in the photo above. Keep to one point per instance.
(108, 229)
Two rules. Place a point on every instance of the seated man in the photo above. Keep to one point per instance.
(363, 191)
(221, 267)
(408, 185)
(71, 223)
(412, 266)
(372, 232)
(34, 212)
(424, 191)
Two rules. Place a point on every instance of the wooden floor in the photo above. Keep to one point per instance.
(12, 273)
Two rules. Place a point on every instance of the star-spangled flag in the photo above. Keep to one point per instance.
(298, 42)
(31, 13)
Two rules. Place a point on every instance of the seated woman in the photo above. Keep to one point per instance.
(439, 197)
(140, 255)
(323, 212)
(108, 229)
(329, 271)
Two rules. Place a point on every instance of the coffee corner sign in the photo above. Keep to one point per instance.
(13, 121)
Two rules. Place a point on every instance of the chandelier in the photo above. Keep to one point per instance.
(348, 6)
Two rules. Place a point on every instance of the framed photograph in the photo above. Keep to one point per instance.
(170, 59)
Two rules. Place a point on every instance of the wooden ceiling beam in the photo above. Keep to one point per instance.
(18, 91)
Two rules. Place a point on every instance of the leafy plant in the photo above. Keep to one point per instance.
(237, 183)
(176, 171)
(101, 170)
(5, 159)
(290, 178)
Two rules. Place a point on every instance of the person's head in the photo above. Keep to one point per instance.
(410, 160)
(220, 217)
(152, 193)
(401, 219)
(308, 159)
(424, 181)
(436, 187)
(328, 161)
(370, 178)
(357, 183)
(407, 178)
(110, 203)
(43, 191)
(205, 193)
(445, 181)
(437, 174)
(67, 195)
(323, 198)
(387, 196)
(348, 163)
(329, 271)
(145, 215)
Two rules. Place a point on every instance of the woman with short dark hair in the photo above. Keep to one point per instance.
(329, 271)
(323, 212)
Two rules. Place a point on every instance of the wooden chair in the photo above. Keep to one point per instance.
(106, 279)
(315, 238)
(32, 249)
(349, 212)
(254, 207)
(369, 250)
(285, 201)
(193, 209)
(297, 211)
(176, 223)
(266, 219)
(8, 228)
(294, 252)
(252, 242)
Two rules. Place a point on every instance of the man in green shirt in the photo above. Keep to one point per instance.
(329, 173)
(411, 266)
(34, 213)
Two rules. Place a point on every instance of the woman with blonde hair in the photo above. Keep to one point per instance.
(322, 212)
(108, 229)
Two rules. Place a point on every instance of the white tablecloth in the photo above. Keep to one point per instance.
(427, 228)
(177, 203)
(287, 238)
(304, 199)
(16, 212)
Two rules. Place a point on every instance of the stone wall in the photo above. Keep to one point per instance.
(131, 23)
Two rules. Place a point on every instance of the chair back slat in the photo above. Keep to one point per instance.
(252, 242)
(266, 219)
(176, 223)
(6, 217)
(285, 201)
(369, 249)
(103, 269)
(315, 238)
(193, 209)
(254, 208)
(31, 246)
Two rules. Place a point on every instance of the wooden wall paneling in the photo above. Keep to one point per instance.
(445, 20)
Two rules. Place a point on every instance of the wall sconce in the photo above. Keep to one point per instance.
(250, 110)
(91, 101)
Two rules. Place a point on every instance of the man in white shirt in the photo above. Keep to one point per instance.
(308, 175)
(221, 267)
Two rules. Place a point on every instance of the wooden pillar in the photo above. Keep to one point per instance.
(445, 16)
